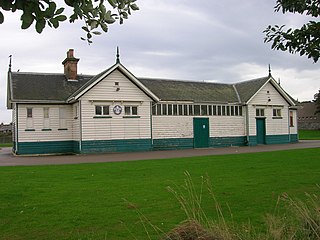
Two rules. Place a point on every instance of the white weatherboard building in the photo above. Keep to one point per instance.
(117, 111)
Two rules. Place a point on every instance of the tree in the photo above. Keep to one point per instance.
(306, 40)
(93, 13)
(317, 101)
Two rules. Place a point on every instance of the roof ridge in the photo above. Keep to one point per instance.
(250, 80)
(185, 81)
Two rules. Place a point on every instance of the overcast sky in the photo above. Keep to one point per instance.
(220, 41)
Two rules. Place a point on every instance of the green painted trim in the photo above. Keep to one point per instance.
(277, 117)
(121, 145)
(102, 117)
(294, 138)
(30, 130)
(252, 141)
(227, 141)
(48, 147)
(62, 129)
(277, 139)
(131, 117)
(46, 129)
(172, 143)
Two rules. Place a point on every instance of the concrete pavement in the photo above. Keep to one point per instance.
(8, 159)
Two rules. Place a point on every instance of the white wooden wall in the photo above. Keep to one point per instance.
(273, 126)
(116, 127)
(38, 123)
(182, 126)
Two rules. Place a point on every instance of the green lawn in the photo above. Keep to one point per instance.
(309, 134)
(6, 145)
(85, 201)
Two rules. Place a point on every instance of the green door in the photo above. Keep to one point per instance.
(261, 131)
(201, 132)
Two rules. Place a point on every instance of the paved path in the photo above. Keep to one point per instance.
(8, 159)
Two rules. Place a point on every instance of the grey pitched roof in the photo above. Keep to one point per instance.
(44, 86)
(248, 88)
(173, 90)
(55, 87)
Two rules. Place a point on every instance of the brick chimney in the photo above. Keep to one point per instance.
(70, 65)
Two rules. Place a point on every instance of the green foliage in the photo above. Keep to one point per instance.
(93, 13)
(306, 40)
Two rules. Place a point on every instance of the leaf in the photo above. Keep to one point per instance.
(40, 25)
(134, 7)
(59, 11)
(61, 18)
(96, 33)
(85, 29)
(104, 27)
(108, 18)
(27, 20)
(112, 3)
(1, 18)
(55, 23)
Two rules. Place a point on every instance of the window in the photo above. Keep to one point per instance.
(154, 109)
(277, 112)
(46, 121)
(131, 110)
(158, 109)
(175, 109)
(102, 110)
(196, 110)
(260, 112)
(180, 109)
(240, 110)
(191, 110)
(236, 110)
(29, 119)
(62, 118)
(204, 110)
(219, 110)
(223, 110)
(169, 109)
(164, 109)
(185, 110)
(214, 110)
(291, 119)
(228, 110)
(29, 112)
(232, 110)
(210, 110)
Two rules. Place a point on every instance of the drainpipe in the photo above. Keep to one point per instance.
(289, 137)
(80, 123)
(247, 125)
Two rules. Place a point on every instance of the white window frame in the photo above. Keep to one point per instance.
(105, 110)
(133, 110)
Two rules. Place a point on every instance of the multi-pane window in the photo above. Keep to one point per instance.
(102, 110)
(260, 112)
(195, 110)
(131, 110)
(276, 112)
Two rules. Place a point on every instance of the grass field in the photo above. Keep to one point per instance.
(85, 201)
(309, 134)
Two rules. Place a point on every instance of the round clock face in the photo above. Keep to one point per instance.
(117, 110)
